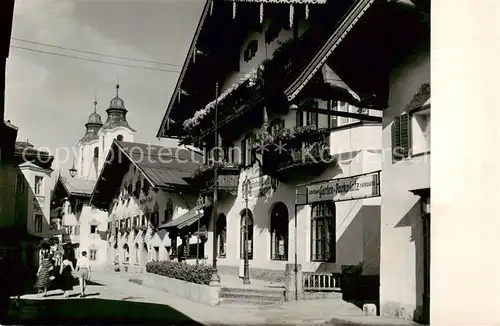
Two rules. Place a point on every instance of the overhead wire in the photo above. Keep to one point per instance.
(100, 54)
(95, 53)
(92, 60)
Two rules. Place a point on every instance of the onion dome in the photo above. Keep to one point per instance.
(92, 126)
(117, 113)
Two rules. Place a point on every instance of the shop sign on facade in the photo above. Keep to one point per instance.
(349, 188)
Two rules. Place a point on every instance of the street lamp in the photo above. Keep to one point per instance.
(215, 279)
(199, 212)
(72, 171)
(246, 193)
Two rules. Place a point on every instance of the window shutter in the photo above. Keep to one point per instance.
(243, 151)
(396, 138)
(400, 134)
(405, 135)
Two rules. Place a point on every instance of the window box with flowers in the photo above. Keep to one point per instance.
(125, 230)
(143, 228)
(265, 82)
(135, 228)
(204, 175)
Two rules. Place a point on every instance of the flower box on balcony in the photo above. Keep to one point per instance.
(204, 175)
(143, 228)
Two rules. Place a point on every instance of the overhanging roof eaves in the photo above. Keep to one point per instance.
(351, 18)
(189, 55)
(184, 220)
(99, 178)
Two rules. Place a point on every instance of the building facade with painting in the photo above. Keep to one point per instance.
(86, 225)
(142, 187)
(283, 118)
(24, 203)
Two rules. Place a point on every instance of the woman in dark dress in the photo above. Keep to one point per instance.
(44, 276)
(66, 275)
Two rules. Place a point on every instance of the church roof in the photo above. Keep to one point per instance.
(117, 114)
(92, 126)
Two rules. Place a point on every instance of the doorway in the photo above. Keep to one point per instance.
(426, 300)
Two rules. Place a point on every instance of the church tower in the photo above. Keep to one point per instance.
(115, 127)
(88, 148)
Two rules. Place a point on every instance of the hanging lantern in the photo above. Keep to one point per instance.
(291, 15)
(234, 10)
(261, 12)
(307, 11)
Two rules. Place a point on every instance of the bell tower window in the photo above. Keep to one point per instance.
(96, 152)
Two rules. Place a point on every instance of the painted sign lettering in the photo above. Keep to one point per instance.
(355, 187)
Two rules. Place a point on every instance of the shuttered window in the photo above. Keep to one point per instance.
(400, 135)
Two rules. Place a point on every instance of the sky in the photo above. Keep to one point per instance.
(50, 97)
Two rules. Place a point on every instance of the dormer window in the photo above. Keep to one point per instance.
(251, 50)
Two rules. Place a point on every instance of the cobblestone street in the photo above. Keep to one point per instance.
(115, 300)
(111, 299)
(102, 305)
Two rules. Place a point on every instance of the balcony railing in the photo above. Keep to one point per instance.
(271, 81)
(228, 177)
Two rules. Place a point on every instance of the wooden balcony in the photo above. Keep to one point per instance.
(288, 164)
(228, 177)
(289, 150)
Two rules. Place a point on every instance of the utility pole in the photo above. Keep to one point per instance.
(215, 280)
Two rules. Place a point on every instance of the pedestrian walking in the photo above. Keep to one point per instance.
(66, 272)
(83, 269)
(44, 276)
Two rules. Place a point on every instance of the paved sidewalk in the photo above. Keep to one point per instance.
(306, 312)
(201, 313)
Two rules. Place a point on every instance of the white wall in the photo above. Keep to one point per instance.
(92, 216)
(358, 150)
(264, 51)
(85, 163)
(106, 138)
(125, 208)
(357, 223)
(401, 231)
(37, 204)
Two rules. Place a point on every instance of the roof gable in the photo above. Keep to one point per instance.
(77, 186)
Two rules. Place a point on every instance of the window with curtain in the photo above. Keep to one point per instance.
(249, 219)
(221, 235)
(137, 252)
(279, 232)
(169, 211)
(247, 158)
(333, 120)
(323, 242)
